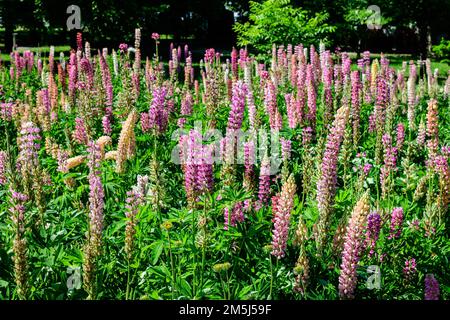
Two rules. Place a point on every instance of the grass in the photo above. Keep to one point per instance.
(396, 60)
(35, 50)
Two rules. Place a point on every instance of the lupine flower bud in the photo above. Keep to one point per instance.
(264, 181)
(249, 161)
(373, 231)
(80, 134)
(326, 185)
(282, 214)
(127, 141)
(410, 270)
(20, 249)
(396, 223)
(106, 124)
(3, 166)
(134, 199)
(400, 136)
(96, 205)
(432, 127)
(432, 291)
(237, 106)
(352, 248)
(186, 108)
(285, 149)
(355, 112)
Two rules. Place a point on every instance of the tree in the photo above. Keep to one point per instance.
(278, 22)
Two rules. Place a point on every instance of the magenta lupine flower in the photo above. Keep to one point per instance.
(315, 63)
(39, 67)
(236, 215)
(421, 134)
(251, 108)
(381, 103)
(6, 111)
(445, 150)
(243, 57)
(356, 103)
(205, 174)
(411, 87)
(106, 81)
(270, 103)
(96, 193)
(346, 64)
(186, 108)
(372, 123)
(326, 186)
(327, 90)
(373, 231)
(400, 135)
(72, 80)
(396, 223)
(123, 47)
(106, 124)
(132, 202)
(80, 135)
(441, 166)
(210, 55)
(87, 69)
(3, 162)
(390, 160)
(264, 182)
(311, 97)
(226, 216)
(28, 143)
(366, 169)
(237, 106)
(249, 161)
(337, 73)
(282, 213)
(301, 92)
(432, 127)
(285, 148)
(307, 136)
(353, 246)
(432, 291)
(410, 269)
(145, 122)
(191, 155)
(234, 65)
(158, 113)
(291, 107)
(155, 36)
(46, 101)
(62, 161)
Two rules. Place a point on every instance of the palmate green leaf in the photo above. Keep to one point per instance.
(157, 249)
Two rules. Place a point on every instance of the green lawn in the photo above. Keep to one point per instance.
(46, 50)
(396, 60)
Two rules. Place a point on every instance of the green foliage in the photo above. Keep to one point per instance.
(442, 50)
(278, 22)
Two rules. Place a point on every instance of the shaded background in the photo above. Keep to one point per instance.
(412, 27)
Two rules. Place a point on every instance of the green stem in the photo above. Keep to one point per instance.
(204, 244)
(194, 282)
(223, 286)
(171, 266)
(271, 276)
(228, 286)
(128, 281)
